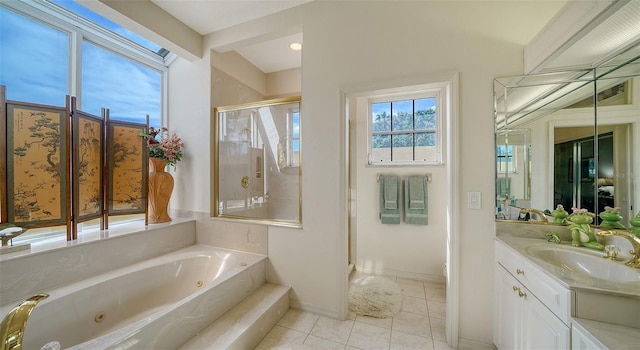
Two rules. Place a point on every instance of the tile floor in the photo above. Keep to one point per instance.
(419, 325)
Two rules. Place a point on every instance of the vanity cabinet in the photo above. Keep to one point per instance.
(532, 311)
(580, 340)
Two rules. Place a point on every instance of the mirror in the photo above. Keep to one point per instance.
(569, 138)
(257, 166)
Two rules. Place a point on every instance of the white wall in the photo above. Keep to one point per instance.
(349, 43)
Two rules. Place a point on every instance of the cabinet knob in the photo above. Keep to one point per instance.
(516, 289)
(522, 294)
(519, 272)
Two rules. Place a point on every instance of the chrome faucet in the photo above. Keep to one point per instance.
(635, 243)
(13, 325)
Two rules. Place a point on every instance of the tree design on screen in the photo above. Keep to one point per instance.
(37, 190)
(89, 167)
(127, 157)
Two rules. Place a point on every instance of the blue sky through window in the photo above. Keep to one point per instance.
(33, 60)
(34, 66)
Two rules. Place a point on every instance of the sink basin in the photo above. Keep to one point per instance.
(585, 262)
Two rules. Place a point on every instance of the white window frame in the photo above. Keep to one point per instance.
(440, 92)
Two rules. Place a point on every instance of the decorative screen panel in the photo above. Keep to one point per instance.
(127, 168)
(88, 146)
(37, 165)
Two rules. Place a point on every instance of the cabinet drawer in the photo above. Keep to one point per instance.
(552, 294)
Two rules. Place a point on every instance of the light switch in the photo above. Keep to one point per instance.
(474, 200)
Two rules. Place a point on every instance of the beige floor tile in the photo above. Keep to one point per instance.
(298, 320)
(411, 323)
(366, 336)
(434, 285)
(281, 337)
(412, 290)
(374, 321)
(322, 344)
(409, 281)
(438, 334)
(435, 294)
(406, 341)
(438, 345)
(331, 329)
(437, 309)
(414, 305)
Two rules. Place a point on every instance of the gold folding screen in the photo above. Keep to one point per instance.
(61, 166)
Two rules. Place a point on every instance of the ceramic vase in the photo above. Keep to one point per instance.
(160, 188)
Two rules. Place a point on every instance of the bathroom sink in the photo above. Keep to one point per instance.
(584, 262)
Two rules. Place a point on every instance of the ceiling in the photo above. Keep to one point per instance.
(208, 16)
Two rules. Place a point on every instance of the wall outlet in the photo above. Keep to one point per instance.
(474, 200)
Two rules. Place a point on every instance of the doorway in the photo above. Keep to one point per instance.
(399, 250)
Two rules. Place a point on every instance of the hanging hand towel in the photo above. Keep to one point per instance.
(389, 198)
(415, 197)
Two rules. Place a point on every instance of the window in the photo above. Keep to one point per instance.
(405, 129)
(33, 60)
(506, 159)
(293, 126)
(129, 96)
(55, 48)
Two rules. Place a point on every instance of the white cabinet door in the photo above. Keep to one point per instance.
(507, 311)
(541, 329)
(522, 321)
(581, 341)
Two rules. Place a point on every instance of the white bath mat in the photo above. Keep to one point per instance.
(375, 296)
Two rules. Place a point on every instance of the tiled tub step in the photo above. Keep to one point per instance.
(244, 326)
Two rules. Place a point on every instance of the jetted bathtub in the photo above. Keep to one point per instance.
(159, 303)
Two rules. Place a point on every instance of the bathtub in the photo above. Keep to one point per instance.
(159, 303)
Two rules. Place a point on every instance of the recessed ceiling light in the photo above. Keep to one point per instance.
(295, 46)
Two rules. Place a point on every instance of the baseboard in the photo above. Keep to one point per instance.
(314, 309)
(401, 274)
(466, 344)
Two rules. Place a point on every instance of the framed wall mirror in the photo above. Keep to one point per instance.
(257, 168)
(576, 136)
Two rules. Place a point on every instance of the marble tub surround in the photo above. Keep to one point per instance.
(50, 265)
(228, 233)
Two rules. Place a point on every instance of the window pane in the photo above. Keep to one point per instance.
(425, 114)
(402, 147)
(402, 115)
(130, 90)
(426, 139)
(381, 150)
(33, 60)
(381, 116)
(426, 149)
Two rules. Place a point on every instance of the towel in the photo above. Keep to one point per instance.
(415, 201)
(416, 192)
(390, 194)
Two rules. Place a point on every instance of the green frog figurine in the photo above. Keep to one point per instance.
(581, 233)
(611, 217)
(635, 223)
(559, 215)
